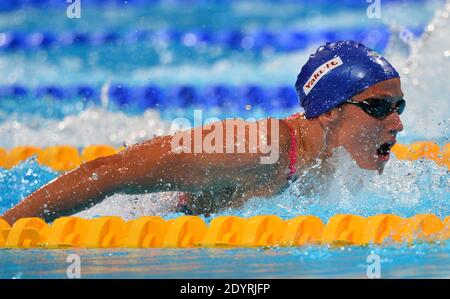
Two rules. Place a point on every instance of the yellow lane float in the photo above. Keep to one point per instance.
(65, 157)
(223, 231)
(93, 152)
(3, 155)
(19, 154)
(60, 158)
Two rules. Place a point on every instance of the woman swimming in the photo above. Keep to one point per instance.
(352, 99)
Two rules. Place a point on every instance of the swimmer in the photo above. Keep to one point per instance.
(351, 97)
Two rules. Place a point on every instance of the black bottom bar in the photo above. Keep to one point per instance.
(221, 287)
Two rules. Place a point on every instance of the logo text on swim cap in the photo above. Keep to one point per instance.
(320, 72)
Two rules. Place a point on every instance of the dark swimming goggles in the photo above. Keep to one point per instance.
(380, 107)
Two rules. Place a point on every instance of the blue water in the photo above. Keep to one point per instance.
(417, 261)
(406, 188)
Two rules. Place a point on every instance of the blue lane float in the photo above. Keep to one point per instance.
(286, 41)
(12, 5)
(153, 96)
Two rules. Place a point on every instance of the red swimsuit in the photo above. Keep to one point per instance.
(293, 148)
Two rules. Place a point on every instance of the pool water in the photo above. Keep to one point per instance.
(418, 261)
(412, 34)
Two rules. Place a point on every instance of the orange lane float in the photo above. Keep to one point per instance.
(223, 231)
(60, 158)
(65, 157)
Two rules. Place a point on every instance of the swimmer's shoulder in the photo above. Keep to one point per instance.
(287, 134)
(285, 130)
(287, 124)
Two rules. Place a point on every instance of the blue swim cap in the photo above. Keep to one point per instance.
(338, 71)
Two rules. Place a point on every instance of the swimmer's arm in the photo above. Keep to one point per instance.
(130, 171)
(150, 166)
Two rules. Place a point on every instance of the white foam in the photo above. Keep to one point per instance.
(133, 206)
(425, 79)
(91, 126)
(405, 188)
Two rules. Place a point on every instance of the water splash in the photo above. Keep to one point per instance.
(90, 126)
(133, 206)
(425, 79)
(18, 182)
(405, 188)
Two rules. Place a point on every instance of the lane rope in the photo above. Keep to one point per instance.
(66, 157)
(223, 231)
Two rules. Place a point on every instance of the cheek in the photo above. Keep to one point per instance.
(369, 132)
(360, 134)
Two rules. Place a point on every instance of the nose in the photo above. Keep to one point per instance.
(394, 123)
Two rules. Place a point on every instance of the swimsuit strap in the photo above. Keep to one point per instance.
(292, 154)
(293, 147)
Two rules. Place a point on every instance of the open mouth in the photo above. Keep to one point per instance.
(385, 149)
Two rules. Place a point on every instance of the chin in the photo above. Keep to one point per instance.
(368, 162)
(380, 166)
(371, 165)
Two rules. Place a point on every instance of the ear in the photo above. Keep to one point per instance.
(330, 118)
